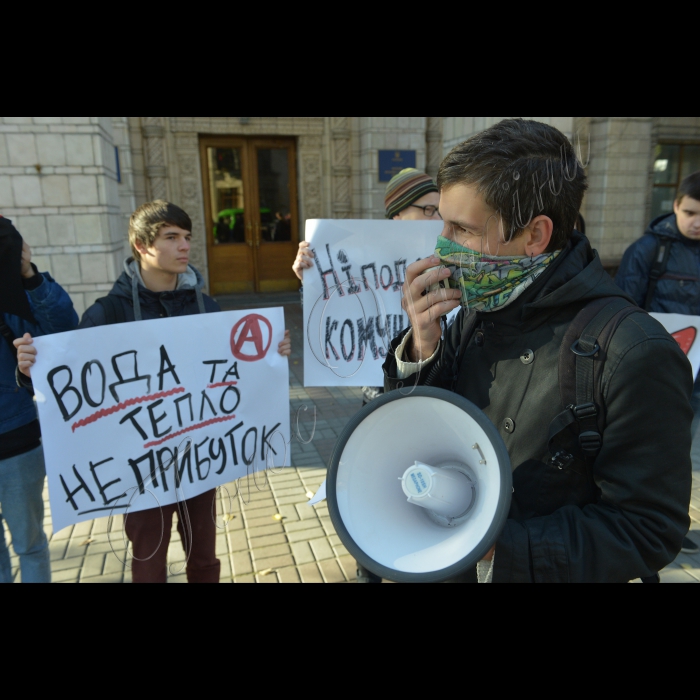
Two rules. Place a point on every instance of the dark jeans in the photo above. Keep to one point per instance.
(22, 508)
(149, 532)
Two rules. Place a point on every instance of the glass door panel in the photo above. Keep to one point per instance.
(277, 224)
(227, 195)
(275, 205)
(230, 235)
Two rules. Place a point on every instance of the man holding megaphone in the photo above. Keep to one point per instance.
(567, 368)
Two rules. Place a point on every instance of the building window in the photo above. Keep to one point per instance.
(673, 163)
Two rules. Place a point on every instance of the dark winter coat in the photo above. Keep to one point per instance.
(54, 313)
(630, 518)
(678, 291)
(140, 304)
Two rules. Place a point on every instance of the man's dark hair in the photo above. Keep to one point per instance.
(147, 221)
(690, 187)
(523, 169)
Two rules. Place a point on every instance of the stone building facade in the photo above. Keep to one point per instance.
(70, 183)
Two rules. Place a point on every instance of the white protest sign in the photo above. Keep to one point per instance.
(352, 295)
(142, 415)
(685, 331)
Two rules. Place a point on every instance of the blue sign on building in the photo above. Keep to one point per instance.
(393, 162)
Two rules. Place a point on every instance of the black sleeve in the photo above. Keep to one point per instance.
(22, 381)
(438, 372)
(33, 282)
(644, 477)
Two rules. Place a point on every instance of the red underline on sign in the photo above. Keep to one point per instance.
(206, 424)
(218, 386)
(126, 404)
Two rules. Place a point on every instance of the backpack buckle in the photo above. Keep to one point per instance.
(562, 460)
(591, 443)
(576, 349)
(585, 410)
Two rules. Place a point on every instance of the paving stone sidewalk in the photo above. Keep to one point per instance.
(267, 533)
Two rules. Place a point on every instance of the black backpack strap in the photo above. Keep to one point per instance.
(658, 270)
(113, 309)
(581, 362)
(9, 336)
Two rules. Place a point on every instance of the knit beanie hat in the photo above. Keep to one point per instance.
(406, 188)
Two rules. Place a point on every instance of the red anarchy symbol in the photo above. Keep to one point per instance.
(686, 338)
(251, 332)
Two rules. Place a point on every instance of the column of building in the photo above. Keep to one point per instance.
(59, 183)
(616, 204)
(372, 134)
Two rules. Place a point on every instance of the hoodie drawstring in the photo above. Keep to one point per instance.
(136, 298)
(200, 301)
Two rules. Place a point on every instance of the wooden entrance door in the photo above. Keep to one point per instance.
(252, 214)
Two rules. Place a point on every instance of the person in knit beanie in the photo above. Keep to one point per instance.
(412, 196)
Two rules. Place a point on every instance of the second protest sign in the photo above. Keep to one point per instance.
(352, 296)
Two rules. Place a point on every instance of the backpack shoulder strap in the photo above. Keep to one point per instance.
(582, 359)
(114, 310)
(659, 268)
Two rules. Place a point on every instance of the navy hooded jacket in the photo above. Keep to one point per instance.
(53, 310)
(678, 291)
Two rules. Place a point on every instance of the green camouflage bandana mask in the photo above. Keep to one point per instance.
(489, 282)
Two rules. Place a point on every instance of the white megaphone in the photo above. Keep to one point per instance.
(420, 486)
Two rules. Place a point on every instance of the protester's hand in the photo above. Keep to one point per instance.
(26, 354)
(490, 555)
(285, 347)
(425, 308)
(27, 269)
(304, 261)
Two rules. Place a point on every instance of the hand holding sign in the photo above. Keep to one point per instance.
(304, 261)
(26, 354)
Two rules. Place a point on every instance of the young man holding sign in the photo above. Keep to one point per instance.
(602, 478)
(29, 303)
(158, 282)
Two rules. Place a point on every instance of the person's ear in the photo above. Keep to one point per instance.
(677, 206)
(539, 234)
(141, 248)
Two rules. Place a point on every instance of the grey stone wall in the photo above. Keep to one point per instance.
(58, 183)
